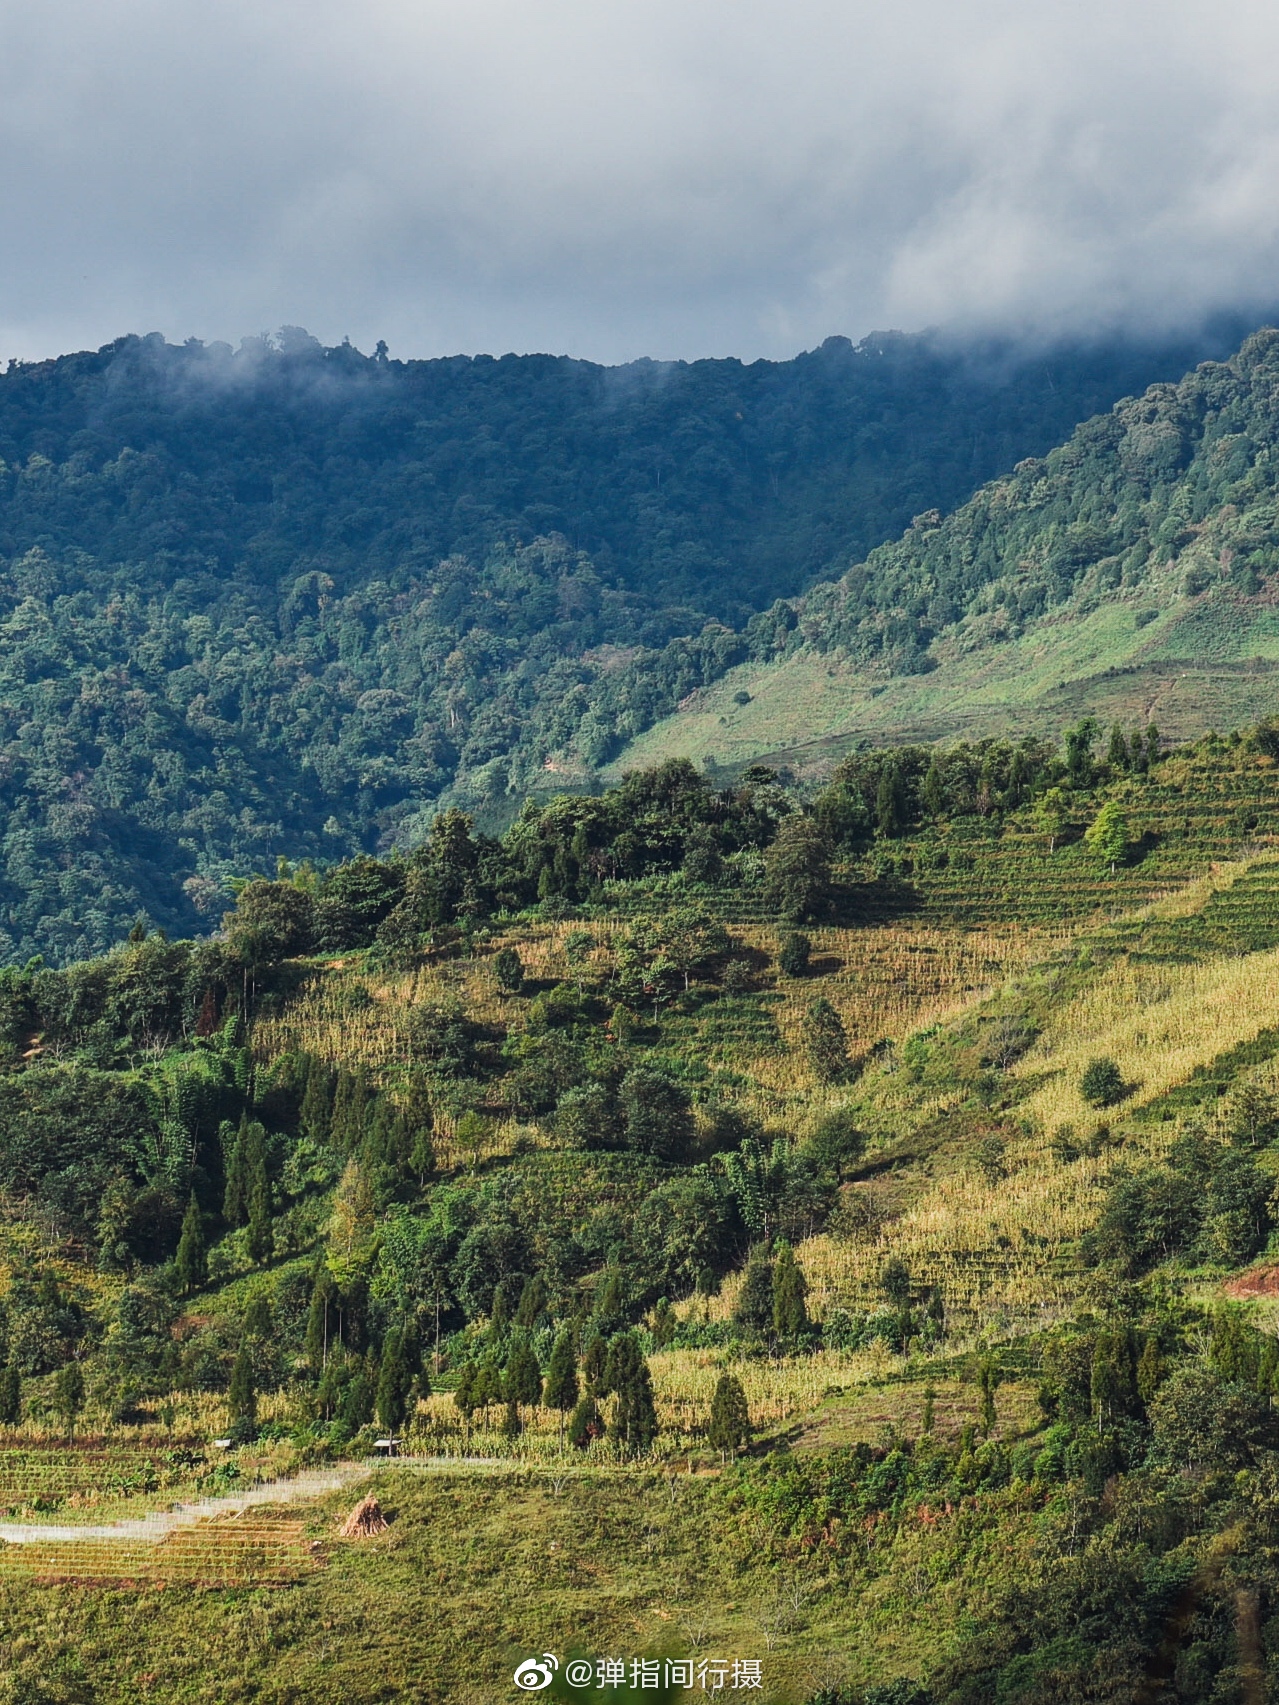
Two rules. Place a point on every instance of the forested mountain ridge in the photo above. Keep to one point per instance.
(278, 601)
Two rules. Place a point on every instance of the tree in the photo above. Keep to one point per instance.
(586, 1424)
(315, 1117)
(1252, 1117)
(895, 1282)
(242, 1396)
(395, 1382)
(1079, 743)
(827, 1043)
(988, 1380)
(561, 1379)
(797, 869)
(793, 955)
(627, 1377)
(233, 1198)
(68, 1395)
(323, 1292)
(1107, 838)
(594, 1361)
(730, 1423)
(261, 1243)
(1052, 814)
(419, 1123)
(1102, 1083)
(585, 1117)
(508, 968)
(656, 1114)
(190, 1264)
(790, 1311)
(755, 1300)
(1117, 754)
(10, 1396)
(522, 1379)
(271, 920)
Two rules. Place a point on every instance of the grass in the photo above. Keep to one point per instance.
(478, 1571)
(1205, 662)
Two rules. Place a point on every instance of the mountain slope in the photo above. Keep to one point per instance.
(1130, 573)
(281, 601)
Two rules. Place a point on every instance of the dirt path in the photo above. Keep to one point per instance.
(314, 1483)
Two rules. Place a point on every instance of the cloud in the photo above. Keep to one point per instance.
(672, 177)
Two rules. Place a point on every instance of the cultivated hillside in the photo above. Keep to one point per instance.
(757, 1221)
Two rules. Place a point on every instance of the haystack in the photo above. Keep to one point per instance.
(365, 1520)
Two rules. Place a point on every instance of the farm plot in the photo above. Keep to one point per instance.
(232, 1551)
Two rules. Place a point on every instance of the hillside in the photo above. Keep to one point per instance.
(757, 1221)
(281, 600)
(1129, 575)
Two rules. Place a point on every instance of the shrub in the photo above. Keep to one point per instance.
(793, 956)
(1102, 1084)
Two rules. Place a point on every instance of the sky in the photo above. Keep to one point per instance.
(670, 178)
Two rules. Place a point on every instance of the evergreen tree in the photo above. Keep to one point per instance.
(395, 1383)
(585, 1424)
(827, 1043)
(68, 1395)
(419, 1119)
(235, 1199)
(323, 1291)
(464, 1392)
(594, 1361)
(315, 1118)
(561, 1378)
(533, 1300)
(627, 1378)
(522, 1378)
(933, 792)
(1151, 1371)
(10, 1396)
(257, 1193)
(242, 1397)
(988, 1380)
(730, 1423)
(356, 1408)
(888, 802)
(790, 1311)
(793, 955)
(258, 1321)
(191, 1265)
(1117, 754)
(755, 1301)
(508, 968)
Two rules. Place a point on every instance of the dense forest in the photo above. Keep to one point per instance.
(278, 601)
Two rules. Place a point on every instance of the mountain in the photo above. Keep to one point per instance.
(1133, 573)
(280, 601)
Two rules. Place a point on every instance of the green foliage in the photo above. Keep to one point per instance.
(790, 1288)
(827, 1043)
(756, 1300)
(794, 953)
(190, 1264)
(730, 1422)
(1108, 836)
(1102, 1083)
(508, 968)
